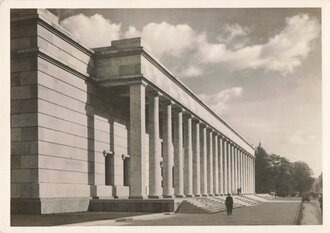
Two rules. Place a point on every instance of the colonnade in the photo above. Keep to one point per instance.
(197, 159)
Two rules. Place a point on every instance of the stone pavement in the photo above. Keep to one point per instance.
(311, 213)
(276, 212)
(67, 218)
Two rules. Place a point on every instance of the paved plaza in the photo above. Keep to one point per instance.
(277, 212)
(274, 212)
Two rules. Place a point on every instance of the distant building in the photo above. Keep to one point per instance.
(109, 122)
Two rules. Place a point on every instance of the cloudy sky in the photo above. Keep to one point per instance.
(259, 69)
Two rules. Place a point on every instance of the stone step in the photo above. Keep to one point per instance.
(266, 197)
(200, 205)
(222, 201)
(257, 198)
(246, 200)
(249, 198)
(237, 203)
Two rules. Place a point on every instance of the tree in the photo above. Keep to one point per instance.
(275, 173)
(263, 177)
(302, 177)
(318, 184)
(280, 169)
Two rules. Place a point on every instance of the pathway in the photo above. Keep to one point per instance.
(277, 212)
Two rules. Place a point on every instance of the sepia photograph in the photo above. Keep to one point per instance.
(194, 116)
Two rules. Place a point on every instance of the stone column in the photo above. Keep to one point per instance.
(215, 166)
(137, 141)
(225, 167)
(210, 162)
(254, 175)
(236, 169)
(242, 182)
(246, 174)
(178, 154)
(221, 180)
(188, 156)
(154, 148)
(239, 163)
(233, 184)
(168, 156)
(234, 172)
(229, 168)
(196, 159)
(250, 173)
(251, 164)
(243, 173)
(204, 161)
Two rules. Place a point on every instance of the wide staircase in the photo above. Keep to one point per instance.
(265, 196)
(214, 204)
(200, 205)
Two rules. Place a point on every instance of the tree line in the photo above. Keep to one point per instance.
(277, 174)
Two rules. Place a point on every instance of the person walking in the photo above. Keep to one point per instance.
(229, 204)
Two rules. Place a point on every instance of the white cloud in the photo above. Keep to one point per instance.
(163, 38)
(300, 137)
(94, 31)
(286, 50)
(218, 101)
(166, 39)
(231, 32)
(191, 71)
(132, 32)
(283, 52)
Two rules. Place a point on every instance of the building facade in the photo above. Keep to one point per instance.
(109, 122)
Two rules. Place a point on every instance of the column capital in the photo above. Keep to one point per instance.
(224, 138)
(203, 124)
(166, 101)
(151, 92)
(138, 82)
(221, 136)
(177, 108)
(187, 114)
(196, 119)
(210, 129)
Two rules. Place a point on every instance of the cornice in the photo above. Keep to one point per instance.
(66, 36)
(38, 52)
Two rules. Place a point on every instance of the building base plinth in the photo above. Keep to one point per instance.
(48, 205)
(127, 205)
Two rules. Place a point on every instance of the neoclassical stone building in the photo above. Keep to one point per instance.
(109, 123)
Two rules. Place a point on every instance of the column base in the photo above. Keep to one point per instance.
(137, 197)
(216, 194)
(197, 195)
(189, 195)
(204, 195)
(179, 195)
(154, 197)
(211, 194)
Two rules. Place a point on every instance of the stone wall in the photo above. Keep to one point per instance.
(60, 121)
